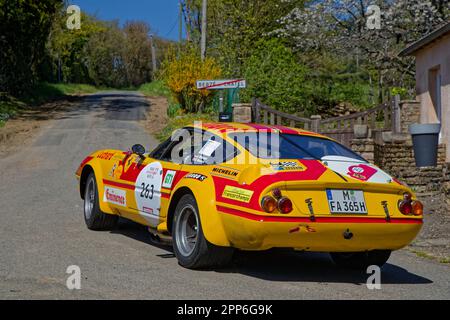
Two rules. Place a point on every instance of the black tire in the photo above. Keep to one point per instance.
(201, 253)
(94, 218)
(360, 260)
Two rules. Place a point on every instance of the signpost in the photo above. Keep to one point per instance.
(221, 85)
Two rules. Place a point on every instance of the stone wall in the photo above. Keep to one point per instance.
(242, 112)
(364, 147)
(397, 159)
(395, 155)
(409, 114)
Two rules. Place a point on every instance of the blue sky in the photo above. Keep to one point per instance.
(161, 15)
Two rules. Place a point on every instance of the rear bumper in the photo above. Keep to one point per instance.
(253, 232)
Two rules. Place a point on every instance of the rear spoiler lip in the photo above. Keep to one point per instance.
(365, 186)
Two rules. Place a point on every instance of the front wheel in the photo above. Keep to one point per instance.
(191, 248)
(360, 260)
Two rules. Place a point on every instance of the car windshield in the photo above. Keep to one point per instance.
(290, 146)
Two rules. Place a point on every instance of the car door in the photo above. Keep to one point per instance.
(153, 180)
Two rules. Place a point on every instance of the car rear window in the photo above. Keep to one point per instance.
(269, 145)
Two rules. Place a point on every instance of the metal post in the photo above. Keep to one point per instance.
(204, 22)
(153, 55)
(396, 124)
(221, 101)
(180, 28)
(315, 124)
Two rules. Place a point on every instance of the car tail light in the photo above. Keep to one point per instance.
(276, 193)
(269, 204)
(405, 207)
(417, 208)
(284, 205)
(409, 207)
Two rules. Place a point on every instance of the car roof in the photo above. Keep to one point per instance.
(228, 127)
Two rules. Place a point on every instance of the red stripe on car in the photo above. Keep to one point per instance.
(314, 169)
(261, 218)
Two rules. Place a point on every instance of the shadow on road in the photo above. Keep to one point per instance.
(117, 106)
(284, 264)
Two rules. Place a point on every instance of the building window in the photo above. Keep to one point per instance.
(434, 88)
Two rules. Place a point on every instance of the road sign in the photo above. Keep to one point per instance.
(221, 84)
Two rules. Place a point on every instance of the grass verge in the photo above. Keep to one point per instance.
(155, 88)
(429, 256)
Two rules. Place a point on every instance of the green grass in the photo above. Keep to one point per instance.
(156, 88)
(181, 121)
(445, 260)
(426, 255)
(44, 92)
(9, 107)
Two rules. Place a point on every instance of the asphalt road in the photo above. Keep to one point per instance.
(42, 232)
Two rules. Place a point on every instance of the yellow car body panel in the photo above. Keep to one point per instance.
(229, 197)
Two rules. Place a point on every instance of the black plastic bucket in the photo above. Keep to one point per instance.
(425, 139)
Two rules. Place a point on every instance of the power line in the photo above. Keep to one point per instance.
(173, 26)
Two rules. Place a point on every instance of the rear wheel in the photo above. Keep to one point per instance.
(360, 260)
(94, 218)
(191, 248)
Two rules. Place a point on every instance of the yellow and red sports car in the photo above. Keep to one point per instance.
(212, 188)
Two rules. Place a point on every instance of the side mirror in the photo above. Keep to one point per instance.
(138, 149)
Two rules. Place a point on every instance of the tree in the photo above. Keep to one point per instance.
(137, 55)
(341, 27)
(274, 75)
(24, 28)
(67, 49)
(104, 56)
(181, 72)
(234, 26)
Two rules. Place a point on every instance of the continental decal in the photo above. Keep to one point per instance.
(225, 172)
(237, 194)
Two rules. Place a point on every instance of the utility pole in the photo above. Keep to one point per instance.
(204, 21)
(180, 28)
(153, 55)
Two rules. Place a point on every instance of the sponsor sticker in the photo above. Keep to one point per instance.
(196, 176)
(225, 172)
(209, 147)
(147, 210)
(168, 179)
(113, 169)
(361, 172)
(105, 155)
(287, 166)
(237, 194)
(115, 196)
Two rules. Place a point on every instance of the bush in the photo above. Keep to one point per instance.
(274, 75)
(181, 74)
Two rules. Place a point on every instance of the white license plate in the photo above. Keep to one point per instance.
(346, 201)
